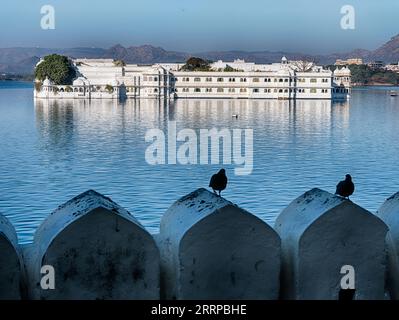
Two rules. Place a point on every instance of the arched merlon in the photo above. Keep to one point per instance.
(98, 251)
(320, 233)
(212, 249)
(389, 213)
(10, 262)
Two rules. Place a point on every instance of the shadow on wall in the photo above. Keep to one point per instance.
(207, 248)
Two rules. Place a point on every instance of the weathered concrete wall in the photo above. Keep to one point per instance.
(320, 234)
(212, 249)
(389, 213)
(11, 273)
(98, 251)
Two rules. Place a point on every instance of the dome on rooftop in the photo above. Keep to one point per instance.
(47, 82)
(344, 71)
(284, 60)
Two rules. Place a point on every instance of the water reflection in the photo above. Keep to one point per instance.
(58, 117)
(61, 148)
(100, 144)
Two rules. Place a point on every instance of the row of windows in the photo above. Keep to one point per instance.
(220, 79)
(146, 78)
(340, 90)
(255, 90)
(342, 79)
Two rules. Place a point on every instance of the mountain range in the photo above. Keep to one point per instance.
(21, 60)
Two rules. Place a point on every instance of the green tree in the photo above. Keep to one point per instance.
(119, 63)
(109, 88)
(57, 68)
(196, 64)
(229, 68)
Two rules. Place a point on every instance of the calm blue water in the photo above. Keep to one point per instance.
(50, 152)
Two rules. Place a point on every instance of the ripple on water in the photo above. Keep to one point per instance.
(52, 151)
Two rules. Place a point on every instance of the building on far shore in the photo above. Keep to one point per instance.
(348, 62)
(105, 79)
(376, 65)
(392, 67)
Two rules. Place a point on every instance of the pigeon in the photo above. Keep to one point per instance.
(218, 181)
(346, 187)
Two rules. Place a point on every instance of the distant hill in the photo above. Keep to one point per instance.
(145, 54)
(23, 60)
(389, 52)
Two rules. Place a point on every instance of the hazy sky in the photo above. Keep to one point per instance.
(311, 26)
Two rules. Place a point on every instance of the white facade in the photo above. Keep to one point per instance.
(103, 78)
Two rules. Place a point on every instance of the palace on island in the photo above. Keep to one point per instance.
(107, 79)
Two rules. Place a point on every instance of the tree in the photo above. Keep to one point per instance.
(303, 65)
(229, 68)
(196, 64)
(119, 63)
(109, 88)
(57, 68)
(38, 86)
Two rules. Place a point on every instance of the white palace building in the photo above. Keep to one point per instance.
(106, 79)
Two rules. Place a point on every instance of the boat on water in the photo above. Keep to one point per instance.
(393, 93)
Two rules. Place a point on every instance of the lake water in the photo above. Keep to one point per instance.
(53, 151)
